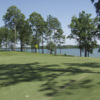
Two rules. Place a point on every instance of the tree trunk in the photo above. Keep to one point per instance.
(55, 42)
(42, 44)
(88, 54)
(12, 46)
(80, 53)
(21, 46)
(6, 44)
(50, 51)
(15, 37)
(50, 45)
(55, 50)
(35, 50)
(80, 46)
(31, 50)
(0, 46)
(85, 51)
(36, 43)
(60, 50)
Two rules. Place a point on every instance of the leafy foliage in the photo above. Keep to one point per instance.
(81, 31)
(97, 6)
(36, 21)
(51, 46)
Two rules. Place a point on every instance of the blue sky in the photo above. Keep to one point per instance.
(62, 9)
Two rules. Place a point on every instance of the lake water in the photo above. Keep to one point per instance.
(74, 52)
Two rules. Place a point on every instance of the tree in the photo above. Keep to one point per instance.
(24, 32)
(56, 27)
(43, 32)
(36, 22)
(49, 30)
(11, 18)
(32, 42)
(53, 25)
(97, 6)
(60, 38)
(75, 31)
(4, 36)
(1, 36)
(81, 30)
(50, 46)
(11, 39)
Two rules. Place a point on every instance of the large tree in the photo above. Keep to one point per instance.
(11, 18)
(1, 36)
(60, 38)
(53, 26)
(56, 27)
(4, 37)
(24, 32)
(36, 21)
(97, 6)
(81, 30)
(49, 31)
(11, 39)
(43, 32)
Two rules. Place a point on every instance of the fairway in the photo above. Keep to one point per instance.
(29, 76)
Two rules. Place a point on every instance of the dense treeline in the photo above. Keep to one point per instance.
(35, 32)
(30, 32)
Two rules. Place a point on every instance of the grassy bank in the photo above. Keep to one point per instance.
(29, 76)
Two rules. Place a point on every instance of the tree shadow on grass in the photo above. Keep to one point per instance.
(89, 65)
(15, 73)
(71, 70)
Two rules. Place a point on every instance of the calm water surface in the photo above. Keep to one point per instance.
(74, 52)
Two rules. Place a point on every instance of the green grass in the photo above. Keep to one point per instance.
(29, 76)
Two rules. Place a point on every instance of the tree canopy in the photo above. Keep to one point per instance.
(97, 6)
(35, 30)
(81, 31)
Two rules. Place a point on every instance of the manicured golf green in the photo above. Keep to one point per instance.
(29, 76)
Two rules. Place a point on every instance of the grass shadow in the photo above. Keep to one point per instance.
(15, 73)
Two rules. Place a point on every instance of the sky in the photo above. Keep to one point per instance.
(61, 9)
